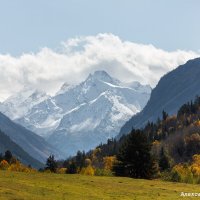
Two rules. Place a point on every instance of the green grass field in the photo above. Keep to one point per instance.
(40, 186)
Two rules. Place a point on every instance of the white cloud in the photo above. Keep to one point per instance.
(125, 60)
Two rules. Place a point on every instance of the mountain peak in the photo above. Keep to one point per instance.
(64, 88)
(102, 75)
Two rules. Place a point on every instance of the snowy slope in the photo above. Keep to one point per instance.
(20, 103)
(84, 115)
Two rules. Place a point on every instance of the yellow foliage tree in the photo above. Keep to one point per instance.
(89, 170)
(182, 173)
(61, 170)
(4, 165)
(19, 167)
(197, 123)
(195, 166)
(108, 162)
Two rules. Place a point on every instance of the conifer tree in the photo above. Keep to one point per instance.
(8, 156)
(134, 157)
(164, 162)
(51, 164)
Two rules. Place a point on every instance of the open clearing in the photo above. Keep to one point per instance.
(41, 186)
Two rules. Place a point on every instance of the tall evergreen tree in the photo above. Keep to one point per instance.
(164, 115)
(72, 168)
(134, 157)
(80, 159)
(51, 163)
(164, 161)
(8, 156)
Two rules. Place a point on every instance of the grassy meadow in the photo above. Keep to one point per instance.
(43, 186)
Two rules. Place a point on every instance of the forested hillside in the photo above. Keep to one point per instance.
(171, 144)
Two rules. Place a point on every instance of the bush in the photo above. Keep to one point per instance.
(103, 172)
(4, 165)
(87, 171)
(61, 170)
(18, 167)
(182, 173)
(195, 167)
(48, 171)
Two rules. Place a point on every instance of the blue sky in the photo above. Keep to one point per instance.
(29, 25)
(44, 43)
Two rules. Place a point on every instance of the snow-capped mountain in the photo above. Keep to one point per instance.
(79, 117)
(20, 103)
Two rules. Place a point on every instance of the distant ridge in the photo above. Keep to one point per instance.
(33, 144)
(7, 144)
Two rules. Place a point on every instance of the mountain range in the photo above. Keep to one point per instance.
(78, 117)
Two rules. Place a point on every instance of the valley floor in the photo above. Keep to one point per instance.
(41, 186)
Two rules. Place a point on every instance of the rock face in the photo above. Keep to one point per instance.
(173, 90)
(82, 116)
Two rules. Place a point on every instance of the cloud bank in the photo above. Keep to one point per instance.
(77, 57)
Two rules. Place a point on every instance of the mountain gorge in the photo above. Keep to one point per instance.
(81, 116)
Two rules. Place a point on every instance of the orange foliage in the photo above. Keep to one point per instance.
(4, 165)
(197, 123)
(108, 162)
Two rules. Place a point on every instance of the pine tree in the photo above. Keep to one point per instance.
(51, 164)
(80, 159)
(164, 162)
(164, 115)
(72, 168)
(8, 156)
(134, 157)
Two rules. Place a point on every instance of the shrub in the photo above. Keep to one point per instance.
(87, 171)
(182, 173)
(4, 165)
(61, 170)
(195, 166)
(19, 167)
(48, 171)
(103, 172)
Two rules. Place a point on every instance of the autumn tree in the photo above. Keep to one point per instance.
(4, 165)
(108, 162)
